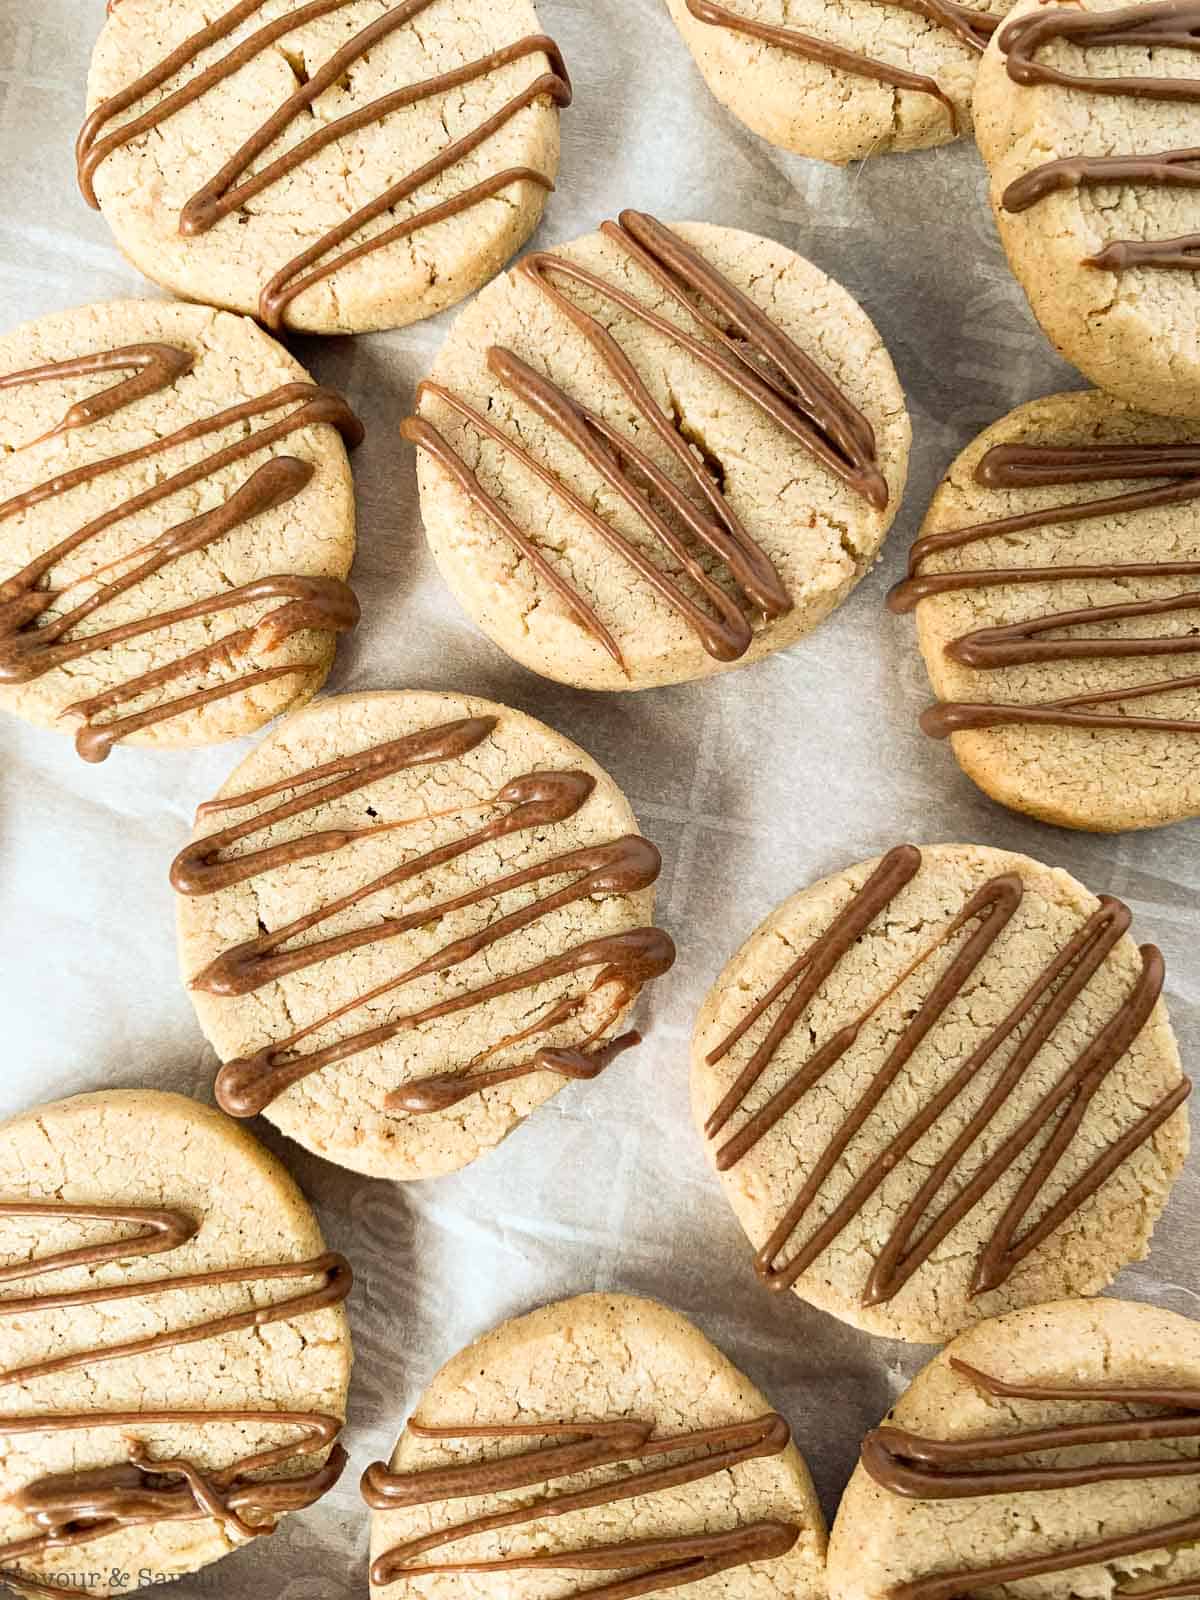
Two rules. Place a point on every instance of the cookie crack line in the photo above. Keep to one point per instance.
(69, 1509)
(1054, 1120)
(30, 647)
(925, 1469)
(672, 1560)
(1173, 24)
(229, 189)
(1026, 466)
(534, 801)
(794, 392)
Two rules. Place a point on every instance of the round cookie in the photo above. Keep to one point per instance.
(977, 1483)
(364, 166)
(939, 1085)
(173, 1351)
(658, 452)
(840, 83)
(1072, 690)
(176, 525)
(550, 1404)
(407, 920)
(1103, 241)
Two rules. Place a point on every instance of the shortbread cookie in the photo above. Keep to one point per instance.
(846, 81)
(329, 165)
(939, 1085)
(173, 1353)
(407, 920)
(176, 524)
(644, 1462)
(1055, 590)
(1050, 1452)
(1088, 116)
(658, 452)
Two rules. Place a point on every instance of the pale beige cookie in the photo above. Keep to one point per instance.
(1030, 672)
(176, 525)
(586, 1394)
(939, 1085)
(845, 81)
(407, 920)
(167, 1297)
(368, 166)
(623, 473)
(1134, 328)
(1121, 1516)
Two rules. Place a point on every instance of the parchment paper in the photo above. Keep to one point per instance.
(753, 784)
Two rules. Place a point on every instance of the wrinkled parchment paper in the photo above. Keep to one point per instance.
(753, 784)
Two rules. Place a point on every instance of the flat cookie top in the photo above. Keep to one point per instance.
(1055, 584)
(332, 165)
(658, 452)
(1048, 1452)
(939, 1085)
(407, 920)
(628, 1436)
(176, 520)
(171, 1336)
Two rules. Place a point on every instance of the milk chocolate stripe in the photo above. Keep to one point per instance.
(230, 188)
(1050, 1126)
(673, 1559)
(155, 367)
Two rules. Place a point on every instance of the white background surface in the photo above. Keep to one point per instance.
(752, 785)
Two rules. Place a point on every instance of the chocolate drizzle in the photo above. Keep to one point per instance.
(920, 1468)
(534, 801)
(30, 646)
(1031, 1024)
(76, 1508)
(1014, 644)
(785, 384)
(658, 1564)
(1163, 24)
(229, 190)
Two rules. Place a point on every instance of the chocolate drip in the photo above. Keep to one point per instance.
(530, 803)
(1013, 644)
(230, 189)
(1033, 1021)
(920, 1468)
(30, 647)
(1165, 24)
(672, 1561)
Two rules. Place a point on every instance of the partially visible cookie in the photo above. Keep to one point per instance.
(407, 920)
(174, 1358)
(658, 452)
(1050, 1452)
(846, 81)
(1088, 117)
(176, 525)
(599, 1447)
(333, 167)
(939, 1085)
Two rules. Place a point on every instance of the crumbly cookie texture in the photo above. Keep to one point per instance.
(340, 1111)
(143, 185)
(828, 112)
(882, 1541)
(821, 534)
(310, 534)
(1104, 780)
(877, 988)
(605, 1358)
(1135, 332)
(143, 1149)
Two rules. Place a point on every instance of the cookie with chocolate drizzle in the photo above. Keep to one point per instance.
(174, 1358)
(407, 920)
(939, 1085)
